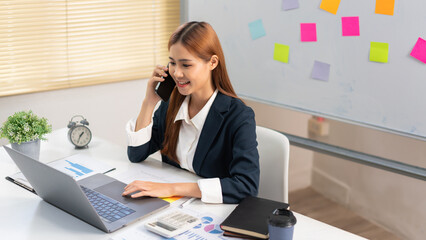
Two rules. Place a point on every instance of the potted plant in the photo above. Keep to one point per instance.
(24, 130)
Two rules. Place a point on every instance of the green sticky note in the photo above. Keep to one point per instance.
(379, 52)
(281, 52)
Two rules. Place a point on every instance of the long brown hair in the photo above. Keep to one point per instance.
(201, 40)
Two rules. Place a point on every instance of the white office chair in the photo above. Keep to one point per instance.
(274, 150)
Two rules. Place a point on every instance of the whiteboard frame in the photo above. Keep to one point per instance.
(339, 119)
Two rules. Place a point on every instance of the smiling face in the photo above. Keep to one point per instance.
(191, 73)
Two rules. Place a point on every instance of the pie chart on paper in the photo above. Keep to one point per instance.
(213, 229)
(204, 220)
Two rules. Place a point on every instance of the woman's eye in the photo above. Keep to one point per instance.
(186, 65)
(172, 63)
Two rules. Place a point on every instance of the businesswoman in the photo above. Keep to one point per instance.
(203, 128)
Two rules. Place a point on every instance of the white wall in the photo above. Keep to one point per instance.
(107, 107)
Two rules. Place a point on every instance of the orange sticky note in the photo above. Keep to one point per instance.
(330, 6)
(385, 7)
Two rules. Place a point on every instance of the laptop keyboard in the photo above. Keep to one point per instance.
(108, 208)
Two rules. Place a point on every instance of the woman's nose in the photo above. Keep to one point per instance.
(178, 73)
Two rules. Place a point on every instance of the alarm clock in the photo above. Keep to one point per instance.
(79, 134)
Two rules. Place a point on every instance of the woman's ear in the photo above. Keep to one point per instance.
(214, 61)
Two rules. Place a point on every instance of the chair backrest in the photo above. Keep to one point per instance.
(274, 150)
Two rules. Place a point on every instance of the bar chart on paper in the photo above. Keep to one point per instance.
(78, 166)
(77, 169)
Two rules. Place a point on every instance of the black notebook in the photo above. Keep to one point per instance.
(238, 235)
(250, 217)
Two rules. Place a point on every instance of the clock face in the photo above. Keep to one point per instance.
(80, 136)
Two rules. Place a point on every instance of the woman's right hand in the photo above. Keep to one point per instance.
(151, 98)
(158, 75)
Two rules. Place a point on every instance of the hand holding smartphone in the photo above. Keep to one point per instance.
(165, 88)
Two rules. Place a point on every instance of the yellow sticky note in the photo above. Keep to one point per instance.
(379, 52)
(330, 6)
(171, 199)
(281, 52)
(385, 7)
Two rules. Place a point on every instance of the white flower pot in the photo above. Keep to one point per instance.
(31, 149)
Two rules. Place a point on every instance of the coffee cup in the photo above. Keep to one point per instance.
(281, 224)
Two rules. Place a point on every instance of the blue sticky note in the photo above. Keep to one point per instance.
(321, 71)
(256, 29)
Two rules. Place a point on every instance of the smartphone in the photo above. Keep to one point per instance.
(165, 88)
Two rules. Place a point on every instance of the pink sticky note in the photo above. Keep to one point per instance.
(350, 26)
(308, 32)
(419, 50)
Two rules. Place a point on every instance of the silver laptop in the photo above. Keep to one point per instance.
(96, 199)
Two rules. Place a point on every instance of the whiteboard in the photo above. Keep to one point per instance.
(390, 96)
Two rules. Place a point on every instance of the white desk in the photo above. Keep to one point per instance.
(25, 216)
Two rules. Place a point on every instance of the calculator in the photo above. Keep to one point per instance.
(172, 224)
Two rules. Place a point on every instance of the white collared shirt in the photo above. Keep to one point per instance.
(189, 134)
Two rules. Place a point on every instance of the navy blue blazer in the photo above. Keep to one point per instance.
(227, 147)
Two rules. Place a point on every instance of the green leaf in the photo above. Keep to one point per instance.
(24, 126)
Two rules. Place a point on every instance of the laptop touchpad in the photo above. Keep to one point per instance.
(114, 190)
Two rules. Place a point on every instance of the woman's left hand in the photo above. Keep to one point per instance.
(151, 189)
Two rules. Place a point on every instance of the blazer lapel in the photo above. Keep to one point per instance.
(210, 129)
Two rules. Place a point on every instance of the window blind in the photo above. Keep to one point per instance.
(46, 45)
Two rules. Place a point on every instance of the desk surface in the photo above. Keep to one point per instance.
(29, 217)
